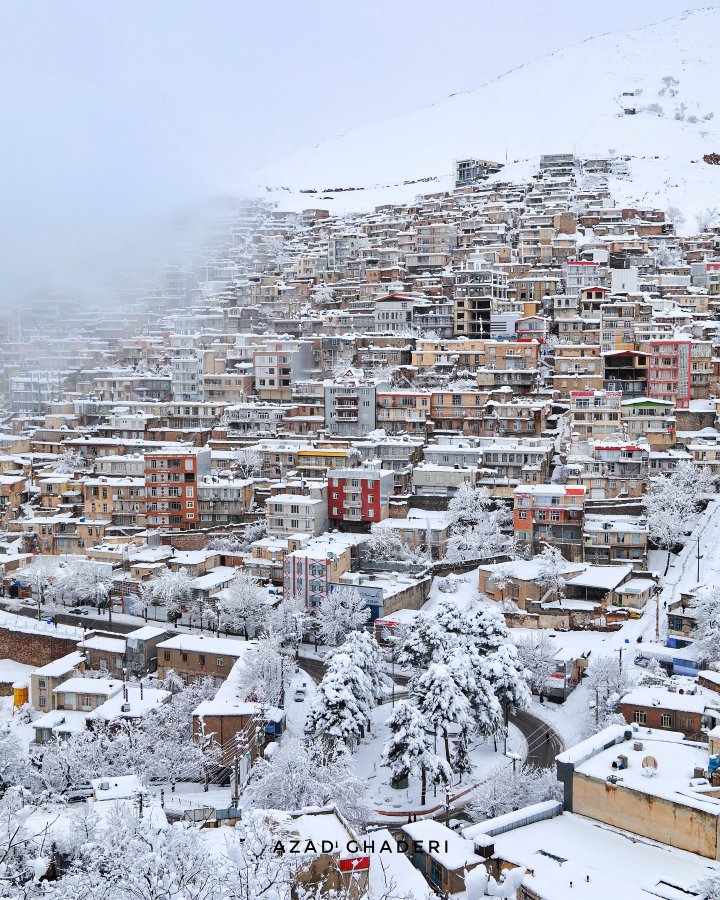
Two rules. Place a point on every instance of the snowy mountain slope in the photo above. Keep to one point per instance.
(569, 100)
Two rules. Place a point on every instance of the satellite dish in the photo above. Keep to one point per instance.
(649, 766)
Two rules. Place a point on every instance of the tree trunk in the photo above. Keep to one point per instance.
(667, 563)
(423, 790)
(446, 737)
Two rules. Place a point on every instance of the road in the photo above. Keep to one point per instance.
(544, 743)
(99, 623)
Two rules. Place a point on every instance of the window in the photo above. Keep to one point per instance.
(202, 659)
(166, 655)
(41, 683)
(183, 656)
(522, 514)
(219, 662)
(666, 720)
(639, 717)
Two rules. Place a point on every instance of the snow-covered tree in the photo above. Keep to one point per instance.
(69, 462)
(136, 860)
(469, 506)
(253, 531)
(171, 589)
(536, 655)
(707, 218)
(298, 775)
(607, 681)
(240, 604)
(503, 670)
(550, 577)
(42, 572)
(93, 585)
(477, 542)
(265, 672)
(385, 545)
(672, 502)
(323, 295)
(442, 702)
(364, 651)
(409, 751)
(341, 611)
(289, 620)
(706, 609)
(476, 527)
(503, 790)
(340, 709)
(424, 641)
(248, 462)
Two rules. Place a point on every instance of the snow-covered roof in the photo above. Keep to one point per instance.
(200, 643)
(455, 852)
(599, 860)
(79, 685)
(603, 577)
(106, 644)
(62, 665)
(660, 696)
(676, 763)
(134, 707)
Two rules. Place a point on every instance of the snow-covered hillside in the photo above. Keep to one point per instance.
(570, 100)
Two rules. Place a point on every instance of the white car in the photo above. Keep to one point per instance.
(299, 695)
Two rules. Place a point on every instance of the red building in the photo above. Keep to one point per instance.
(669, 368)
(359, 496)
(171, 478)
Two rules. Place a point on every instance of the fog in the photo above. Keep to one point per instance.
(117, 115)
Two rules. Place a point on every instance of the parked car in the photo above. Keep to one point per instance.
(81, 610)
(78, 793)
(299, 695)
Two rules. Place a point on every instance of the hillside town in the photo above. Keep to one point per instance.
(371, 556)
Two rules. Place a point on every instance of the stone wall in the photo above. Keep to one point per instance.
(33, 649)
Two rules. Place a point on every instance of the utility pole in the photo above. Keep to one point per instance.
(236, 779)
(657, 612)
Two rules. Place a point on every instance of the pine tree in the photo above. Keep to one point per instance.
(442, 702)
(365, 652)
(424, 642)
(408, 752)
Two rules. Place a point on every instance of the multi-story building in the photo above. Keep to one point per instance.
(291, 514)
(279, 364)
(615, 539)
(350, 402)
(550, 514)
(669, 371)
(402, 411)
(651, 420)
(171, 479)
(595, 414)
(359, 497)
(477, 288)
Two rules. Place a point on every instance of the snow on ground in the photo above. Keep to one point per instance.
(513, 118)
(377, 776)
(23, 731)
(566, 718)
(465, 595)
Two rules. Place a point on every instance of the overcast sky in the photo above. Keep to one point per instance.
(116, 112)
